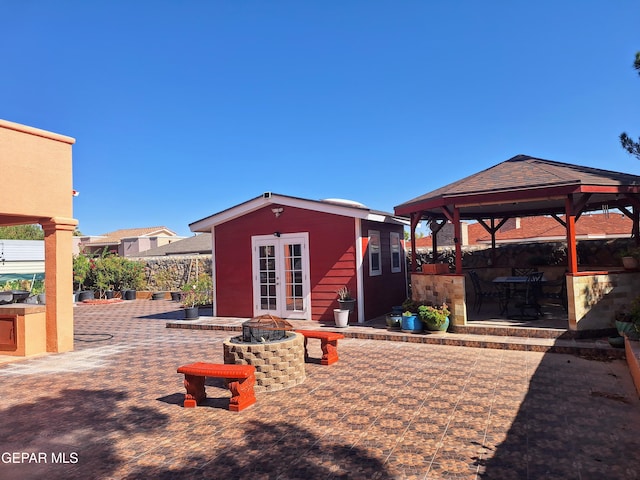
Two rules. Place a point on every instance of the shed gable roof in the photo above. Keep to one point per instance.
(349, 210)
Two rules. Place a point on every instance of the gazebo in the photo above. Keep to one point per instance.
(528, 186)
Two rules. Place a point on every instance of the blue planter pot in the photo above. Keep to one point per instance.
(411, 324)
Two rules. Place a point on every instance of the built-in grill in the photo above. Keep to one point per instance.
(265, 328)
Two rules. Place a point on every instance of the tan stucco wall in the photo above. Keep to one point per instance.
(442, 288)
(37, 188)
(37, 177)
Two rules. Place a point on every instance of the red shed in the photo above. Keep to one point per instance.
(288, 256)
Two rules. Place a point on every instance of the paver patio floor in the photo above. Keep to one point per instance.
(113, 409)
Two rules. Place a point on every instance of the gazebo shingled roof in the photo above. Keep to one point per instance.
(527, 186)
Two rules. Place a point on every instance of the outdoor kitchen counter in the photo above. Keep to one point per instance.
(23, 329)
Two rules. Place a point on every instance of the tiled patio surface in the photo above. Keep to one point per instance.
(387, 409)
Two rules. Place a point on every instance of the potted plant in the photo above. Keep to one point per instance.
(411, 323)
(436, 319)
(163, 282)
(195, 295)
(630, 258)
(394, 320)
(345, 300)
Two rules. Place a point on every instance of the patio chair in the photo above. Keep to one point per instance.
(522, 272)
(482, 290)
(557, 290)
(528, 298)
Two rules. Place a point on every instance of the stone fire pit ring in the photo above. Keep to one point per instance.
(279, 364)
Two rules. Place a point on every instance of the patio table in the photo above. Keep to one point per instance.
(506, 285)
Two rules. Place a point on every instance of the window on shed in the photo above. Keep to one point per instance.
(396, 251)
(375, 265)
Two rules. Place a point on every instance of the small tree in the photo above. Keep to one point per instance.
(198, 292)
(80, 271)
(22, 232)
(627, 143)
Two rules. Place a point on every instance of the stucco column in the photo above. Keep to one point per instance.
(58, 283)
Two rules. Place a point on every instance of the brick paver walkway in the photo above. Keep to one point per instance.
(113, 409)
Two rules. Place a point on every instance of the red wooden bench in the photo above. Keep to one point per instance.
(328, 343)
(242, 394)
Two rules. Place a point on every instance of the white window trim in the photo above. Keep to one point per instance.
(397, 269)
(372, 272)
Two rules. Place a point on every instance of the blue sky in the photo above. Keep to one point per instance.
(181, 109)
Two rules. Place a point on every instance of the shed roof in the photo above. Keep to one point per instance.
(332, 206)
(524, 186)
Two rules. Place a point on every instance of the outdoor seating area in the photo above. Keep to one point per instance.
(410, 409)
(522, 295)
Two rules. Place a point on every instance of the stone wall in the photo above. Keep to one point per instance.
(170, 273)
(598, 297)
(437, 289)
(592, 254)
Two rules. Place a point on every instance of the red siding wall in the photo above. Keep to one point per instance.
(383, 291)
(331, 257)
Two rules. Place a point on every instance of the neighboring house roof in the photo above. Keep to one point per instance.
(524, 186)
(115, 237)
(333, 206)
(200, 243)
(588, 226)
(544, 228)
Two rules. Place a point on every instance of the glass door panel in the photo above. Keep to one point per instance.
(281, 279)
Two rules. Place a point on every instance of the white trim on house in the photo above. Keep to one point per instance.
(359, 271)
(374, 233)
(213, 272)
(279, 269)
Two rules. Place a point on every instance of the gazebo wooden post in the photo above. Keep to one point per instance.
(434, 241)
(572, 253)
(493, 241)
(415, 219)
(457, 239)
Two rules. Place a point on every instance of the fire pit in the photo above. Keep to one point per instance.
(269, 344)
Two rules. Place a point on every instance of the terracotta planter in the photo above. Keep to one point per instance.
(630, 263)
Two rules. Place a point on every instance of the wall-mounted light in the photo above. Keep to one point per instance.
(277, 211)
(276, 234)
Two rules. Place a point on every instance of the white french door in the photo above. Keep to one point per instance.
(281, 284)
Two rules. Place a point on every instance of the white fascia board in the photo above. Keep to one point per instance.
(232, 213)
